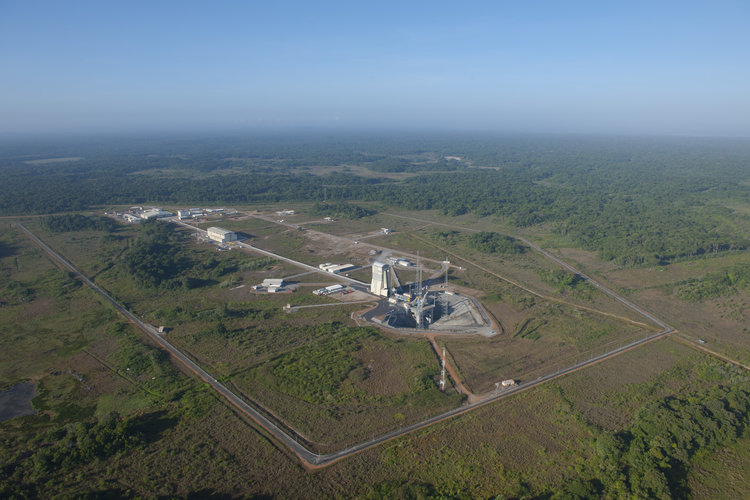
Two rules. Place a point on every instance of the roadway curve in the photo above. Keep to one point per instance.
(290, 439)
(619, 298)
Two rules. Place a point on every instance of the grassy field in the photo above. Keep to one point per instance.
(548, 338)
(722, 320)
(99, 381)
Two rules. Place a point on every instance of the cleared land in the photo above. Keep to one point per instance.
(527, 445)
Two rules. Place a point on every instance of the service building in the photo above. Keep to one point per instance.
(221, 235)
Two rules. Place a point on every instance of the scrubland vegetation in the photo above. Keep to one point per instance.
(116, 419)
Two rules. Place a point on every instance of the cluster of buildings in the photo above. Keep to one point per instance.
(138, 214)
(196, 213)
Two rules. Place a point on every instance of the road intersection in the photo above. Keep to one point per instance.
(265, 419)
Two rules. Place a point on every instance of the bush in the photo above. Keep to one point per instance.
(494, 243)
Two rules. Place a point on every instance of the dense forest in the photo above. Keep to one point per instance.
(341, 210)
(634, 200)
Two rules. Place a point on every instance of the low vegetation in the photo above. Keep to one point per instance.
(156, 258)
(494, 243)
(116, 419)
(341, 210)
(716, 284)
(78, 222)
(602, 194)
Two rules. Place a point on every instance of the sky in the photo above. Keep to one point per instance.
(612, 67)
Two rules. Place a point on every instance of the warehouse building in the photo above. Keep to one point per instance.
(221, 235)
(336, 268)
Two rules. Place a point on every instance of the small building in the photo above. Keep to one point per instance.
(285, 212)
(131, 218)
(508, 383)
(221, 235)
(277, 283)
(329, 290)
(342, 268)
(336, 268)
(385, 230)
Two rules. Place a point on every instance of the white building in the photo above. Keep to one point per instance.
(155, 213)
(221, 235)
(381, 279)
(336, 268)
(275, 283)
(329, 290)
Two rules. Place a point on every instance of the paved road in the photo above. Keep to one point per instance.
(596, 284)
(291, 442)
(297, 263)
(708, 351)
(443, 266)
(567, 266)
(289, 438)
(337, 304)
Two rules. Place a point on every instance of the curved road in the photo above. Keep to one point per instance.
(289, 438)
(567, 266)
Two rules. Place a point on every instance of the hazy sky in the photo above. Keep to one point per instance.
(663, 67)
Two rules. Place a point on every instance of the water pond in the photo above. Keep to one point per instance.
(16, 401)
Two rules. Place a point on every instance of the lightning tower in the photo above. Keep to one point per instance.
(442, 373)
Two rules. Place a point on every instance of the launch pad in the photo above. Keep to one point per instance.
(414, 309)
